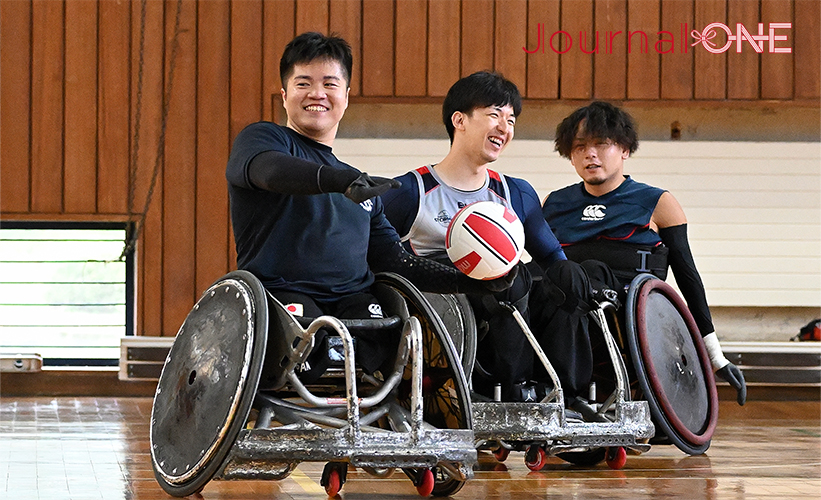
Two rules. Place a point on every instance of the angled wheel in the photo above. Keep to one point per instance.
(446, 404)
(671, 364)
(446, 400)
(460, 323)
(208, 383)
(334, 475)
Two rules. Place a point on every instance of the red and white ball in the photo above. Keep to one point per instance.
(485, 240)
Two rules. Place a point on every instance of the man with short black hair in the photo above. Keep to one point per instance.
(479, 113)
(309, 226)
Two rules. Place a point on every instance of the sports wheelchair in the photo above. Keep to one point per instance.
(230, 404)
(653, 378)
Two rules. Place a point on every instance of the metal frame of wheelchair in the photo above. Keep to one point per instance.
(543, 429)
(663, 391)
(229, 404)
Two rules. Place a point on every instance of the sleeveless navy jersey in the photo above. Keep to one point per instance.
(423, 207)
(620, 215)
(312, 244)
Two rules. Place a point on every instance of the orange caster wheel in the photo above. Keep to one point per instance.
(616, 458)
(536, 458)
(426, 482)
(333, 477)
(501, 453)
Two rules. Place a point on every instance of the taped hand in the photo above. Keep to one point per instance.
(366, 187)
(732, 374)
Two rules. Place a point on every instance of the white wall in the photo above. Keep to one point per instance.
(754, 209)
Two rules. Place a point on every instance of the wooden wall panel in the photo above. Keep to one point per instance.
(542, 65)
(676, 58)
(15, 102)
(411, 48)
(213, 142)
(377, 48)
(477, 46)
(179, 183)
(610, 21)
(444, 46)
(47, 107)
(643, 62)
(807, 49)
(511, 36)
(69, 129)
(149, 156)
(246, 75)
(777, 72)
(576, 65)
(710, 70)
(312, 15)
(80, 184)
(113, 116)
(278, 30)
(743, 72)
(346, 21)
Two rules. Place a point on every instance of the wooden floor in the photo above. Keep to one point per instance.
(97, 448)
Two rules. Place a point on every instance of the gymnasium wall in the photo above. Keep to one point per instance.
(753, 209)
(94, 95)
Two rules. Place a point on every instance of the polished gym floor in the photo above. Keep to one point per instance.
(97, 448)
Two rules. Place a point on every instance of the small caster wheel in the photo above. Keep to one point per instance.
(536, 458)
(333, 477)
(425, 482)
(501, 453)
(616, 457)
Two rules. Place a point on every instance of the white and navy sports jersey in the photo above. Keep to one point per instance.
(423, 207)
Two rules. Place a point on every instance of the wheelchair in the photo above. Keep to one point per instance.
(542, 429)
(230, 404)
(653, 380)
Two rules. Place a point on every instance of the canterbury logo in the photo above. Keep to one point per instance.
(593, 212)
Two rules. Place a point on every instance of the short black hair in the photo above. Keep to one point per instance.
(479, 90)
(310, 46)
(600, 120)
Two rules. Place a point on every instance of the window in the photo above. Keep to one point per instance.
(64, 292)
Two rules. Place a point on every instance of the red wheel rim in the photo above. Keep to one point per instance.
(669, 412)
(618, 458)
(334, 484)
(540, 462)
(501, 453)
(426, 484)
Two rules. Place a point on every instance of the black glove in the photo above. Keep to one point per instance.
(366, 187)
(733, 375)
(469, 285)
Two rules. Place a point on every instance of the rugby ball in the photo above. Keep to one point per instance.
(485, 240)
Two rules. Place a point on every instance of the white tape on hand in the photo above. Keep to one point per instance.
(717, 358)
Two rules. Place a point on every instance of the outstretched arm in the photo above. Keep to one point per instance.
(671, 224)
(283, 173)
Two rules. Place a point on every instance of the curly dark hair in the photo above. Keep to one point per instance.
(599, 120)
(479, 90)
(312, 45)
